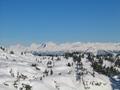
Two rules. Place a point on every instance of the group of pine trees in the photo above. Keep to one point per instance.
(97, 62)
(109, 71)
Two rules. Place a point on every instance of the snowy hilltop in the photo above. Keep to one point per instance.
(67, 66)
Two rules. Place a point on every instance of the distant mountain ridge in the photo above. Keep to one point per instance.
(64, 47)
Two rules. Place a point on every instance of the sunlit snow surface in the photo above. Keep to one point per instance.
(63, 77)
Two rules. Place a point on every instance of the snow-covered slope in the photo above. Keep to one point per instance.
(20, 71)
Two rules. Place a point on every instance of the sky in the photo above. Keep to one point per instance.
(27, 21)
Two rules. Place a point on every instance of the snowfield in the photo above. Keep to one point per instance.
(26, 71)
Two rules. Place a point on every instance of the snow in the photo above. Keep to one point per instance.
(107, 63)
(12, 66)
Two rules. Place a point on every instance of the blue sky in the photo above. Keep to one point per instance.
(27, 21)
